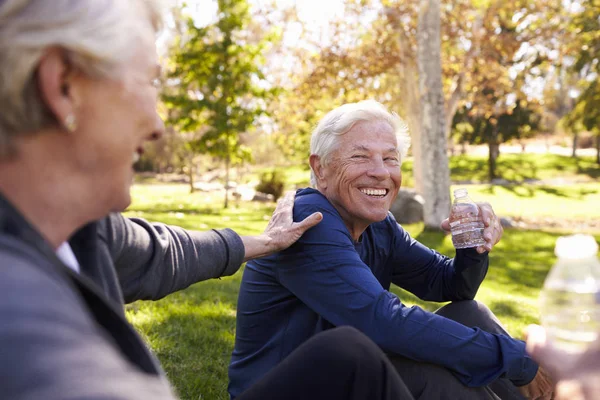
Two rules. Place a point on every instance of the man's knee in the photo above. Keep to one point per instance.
(472, 313)
(347, 345)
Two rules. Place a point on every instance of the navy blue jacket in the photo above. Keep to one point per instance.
(326, 279)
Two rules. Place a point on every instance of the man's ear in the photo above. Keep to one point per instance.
(317, 167)
(56, 85)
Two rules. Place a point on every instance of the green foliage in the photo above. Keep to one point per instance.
(215, 87)
(586, 113)
(519, 121)
(271, 182)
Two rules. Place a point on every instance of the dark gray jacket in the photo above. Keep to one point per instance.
(64, 335)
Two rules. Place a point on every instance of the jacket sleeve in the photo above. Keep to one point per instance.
(326, 273)
(432, 276)
(153, 260)
(52, 350)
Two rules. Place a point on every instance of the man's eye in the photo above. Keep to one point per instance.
(359, 156)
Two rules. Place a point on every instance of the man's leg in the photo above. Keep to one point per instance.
(340, 363)
(428, 381)
(474, 314)
(433, 382)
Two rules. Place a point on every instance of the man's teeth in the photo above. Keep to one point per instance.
(374, 192)
(136, 157)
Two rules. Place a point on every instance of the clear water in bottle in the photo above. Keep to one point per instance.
(570, 298)
(571, 317)
(465, 222)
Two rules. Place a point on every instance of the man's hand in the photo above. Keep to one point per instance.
(281, 232)
(492, 231)
(577, 376)
(282, 229)
(540, 388)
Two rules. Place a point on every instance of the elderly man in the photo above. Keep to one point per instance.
(339, 273)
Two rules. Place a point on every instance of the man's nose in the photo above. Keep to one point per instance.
(378, 169)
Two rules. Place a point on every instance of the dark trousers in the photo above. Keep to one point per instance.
(340, 363)
(432, 382)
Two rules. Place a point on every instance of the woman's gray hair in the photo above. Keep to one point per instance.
(340, 120)
(97, 36)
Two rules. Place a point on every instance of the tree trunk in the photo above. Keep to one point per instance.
(575, 140)
(493, 153)
(191, 173)
(436, 174)
(410, 99)
(411, 103)
(598, 149)
(226, 181)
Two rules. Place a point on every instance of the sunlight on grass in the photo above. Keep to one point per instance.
(572, 201)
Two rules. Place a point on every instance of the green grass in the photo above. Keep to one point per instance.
(576, 201)
(520, 167)
(192, 331)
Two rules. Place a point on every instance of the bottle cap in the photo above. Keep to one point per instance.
(576, 246)
(460, 192)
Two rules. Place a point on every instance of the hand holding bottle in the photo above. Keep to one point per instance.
(484, 214)
(577, 376)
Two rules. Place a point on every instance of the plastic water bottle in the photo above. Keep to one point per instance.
(570, 298)
(466, 224)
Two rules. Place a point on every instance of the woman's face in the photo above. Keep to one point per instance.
(115, 118)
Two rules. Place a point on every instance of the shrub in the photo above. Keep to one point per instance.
(271, 182)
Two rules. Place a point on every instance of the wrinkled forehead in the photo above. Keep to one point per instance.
(369, 135)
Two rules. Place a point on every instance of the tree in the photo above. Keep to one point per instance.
(507, 121)
(216, 84)
(436, 173)
(586, 112)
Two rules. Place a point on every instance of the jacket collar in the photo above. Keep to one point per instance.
(13, 223)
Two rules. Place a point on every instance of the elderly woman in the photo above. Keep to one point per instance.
(77, 107)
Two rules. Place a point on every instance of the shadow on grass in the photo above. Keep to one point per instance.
(522, 258)
(522, 167)
(505, 308)
(529, 191)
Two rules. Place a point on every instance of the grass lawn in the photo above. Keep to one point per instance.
(192, 331)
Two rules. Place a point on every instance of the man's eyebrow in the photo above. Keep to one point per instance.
(359, 147)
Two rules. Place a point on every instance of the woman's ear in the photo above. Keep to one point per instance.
(57, 88)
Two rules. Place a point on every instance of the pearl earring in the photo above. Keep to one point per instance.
(70, 123)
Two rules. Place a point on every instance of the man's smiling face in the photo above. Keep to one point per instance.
(362, 176)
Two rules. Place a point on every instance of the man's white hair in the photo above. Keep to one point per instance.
(97, 36)
(340, 120)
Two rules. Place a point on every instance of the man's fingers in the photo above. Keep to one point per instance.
(445, 225)
(542, 351)
(536, 340)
